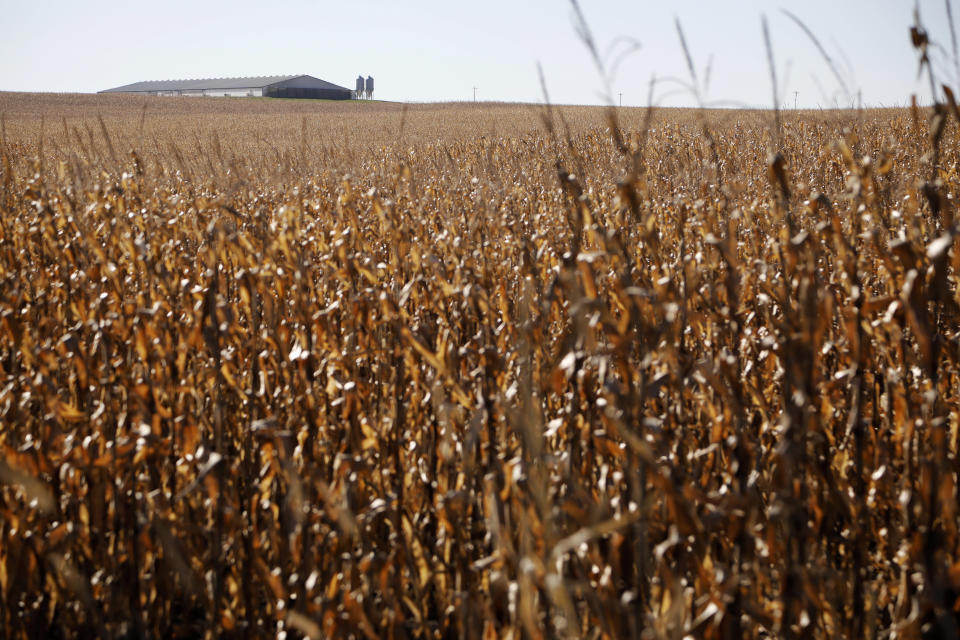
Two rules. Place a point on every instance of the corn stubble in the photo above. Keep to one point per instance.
(470, 376)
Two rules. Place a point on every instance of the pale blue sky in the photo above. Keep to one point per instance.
(438, 50)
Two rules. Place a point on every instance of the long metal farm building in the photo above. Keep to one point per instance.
(266, 86)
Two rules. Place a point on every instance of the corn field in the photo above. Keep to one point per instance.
(278, 369)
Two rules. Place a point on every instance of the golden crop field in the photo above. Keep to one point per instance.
(299, 369)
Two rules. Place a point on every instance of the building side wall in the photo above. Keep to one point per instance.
(236, 93)
(247, 92)
(308, 93)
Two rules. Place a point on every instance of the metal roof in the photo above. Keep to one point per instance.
(215, 83)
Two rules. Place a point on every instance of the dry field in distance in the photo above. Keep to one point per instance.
(341, 370)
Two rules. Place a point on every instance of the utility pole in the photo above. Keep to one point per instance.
(621, 98)
(795, 100)
(474, 94)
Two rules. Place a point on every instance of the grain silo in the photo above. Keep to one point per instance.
(369, 87)
(359, 89)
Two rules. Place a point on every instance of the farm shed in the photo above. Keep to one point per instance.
(269, 86)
